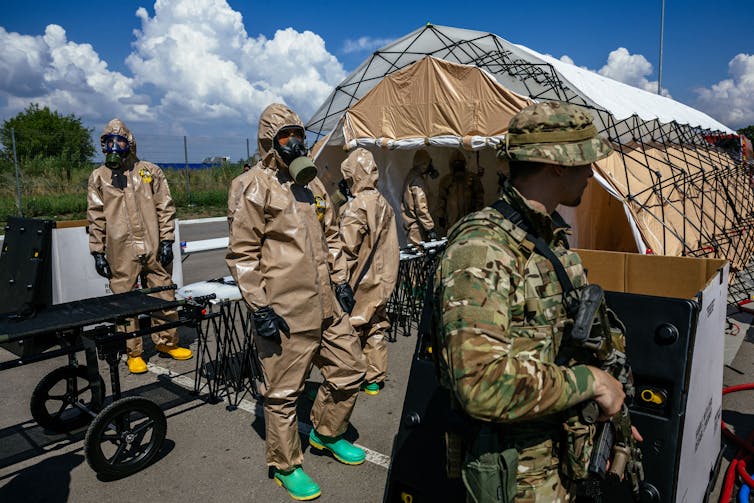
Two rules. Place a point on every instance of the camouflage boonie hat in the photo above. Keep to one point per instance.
(555, 133)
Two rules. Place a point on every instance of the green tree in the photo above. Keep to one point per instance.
(43, 134)
(748, 131)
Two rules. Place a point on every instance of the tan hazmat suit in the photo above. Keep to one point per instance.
(128, 224)
(235, 192)
(417, 220)
(370, 246)
(284, 243)
(460, 193)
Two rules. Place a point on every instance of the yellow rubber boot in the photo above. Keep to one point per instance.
(136, 365)
(175, 352)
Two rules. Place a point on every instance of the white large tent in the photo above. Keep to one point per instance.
(515, 67)
(669, 189)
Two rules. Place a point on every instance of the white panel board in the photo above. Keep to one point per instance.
(73, 274)
(700, 443)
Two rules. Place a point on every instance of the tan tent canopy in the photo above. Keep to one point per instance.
(432, 98)
(432, 104)
(678, 199)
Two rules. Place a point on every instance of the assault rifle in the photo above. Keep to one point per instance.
(597, 339)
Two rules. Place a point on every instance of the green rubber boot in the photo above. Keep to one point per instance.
(371, 388)
(299, 485)
(343, 450)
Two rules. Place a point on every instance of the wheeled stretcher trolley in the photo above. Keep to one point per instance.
(125, 434)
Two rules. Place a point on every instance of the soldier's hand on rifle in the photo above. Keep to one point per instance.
(608, 393)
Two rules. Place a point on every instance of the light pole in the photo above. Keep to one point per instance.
(662, 37)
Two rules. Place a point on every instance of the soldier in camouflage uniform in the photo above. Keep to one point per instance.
(503, 316)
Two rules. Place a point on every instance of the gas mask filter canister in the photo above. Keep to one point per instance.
(302, 170)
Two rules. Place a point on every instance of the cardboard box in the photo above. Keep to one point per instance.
(674, 309)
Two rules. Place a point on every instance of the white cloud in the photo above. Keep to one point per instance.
(21, 64)
(66, 76)
(214, 71)
(631, 69)
(193, 69)
(731, 101)
(364, 44)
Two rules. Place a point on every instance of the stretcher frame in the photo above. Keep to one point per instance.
(94, 326)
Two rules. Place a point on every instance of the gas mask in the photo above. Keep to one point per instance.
(432, 172)
(290, 145)
(116, 148)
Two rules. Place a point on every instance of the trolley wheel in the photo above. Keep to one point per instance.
(54, 400)
(125, 437)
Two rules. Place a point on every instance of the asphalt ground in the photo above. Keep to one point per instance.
(210, 453)
(215, 454)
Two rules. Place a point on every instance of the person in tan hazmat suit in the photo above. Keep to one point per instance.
(284, 253)
(461, 192)
(131, 231)
(417, 221)
(370, 246)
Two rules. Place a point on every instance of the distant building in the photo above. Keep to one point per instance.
(216, 160)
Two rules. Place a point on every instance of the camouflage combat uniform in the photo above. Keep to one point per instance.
(501, 327)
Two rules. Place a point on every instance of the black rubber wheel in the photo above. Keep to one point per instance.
(125, 437)
(53, 401)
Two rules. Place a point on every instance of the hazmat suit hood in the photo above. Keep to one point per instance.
(274, 118)
(117, 126)
(455, 157)
(421, 160)
(422, 164)
(360, 171)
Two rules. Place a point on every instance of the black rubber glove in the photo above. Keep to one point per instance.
(100, 263)
(344, 293)
(268, 324)
(432, 235)
(165, 254)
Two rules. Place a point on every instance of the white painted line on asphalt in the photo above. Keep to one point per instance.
(203, 220)
(376, 458)
(180, 380)
(249, 406)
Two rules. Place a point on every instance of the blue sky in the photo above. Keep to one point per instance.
(208, 67)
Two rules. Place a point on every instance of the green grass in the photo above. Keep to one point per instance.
(68, 206)
(50, 195)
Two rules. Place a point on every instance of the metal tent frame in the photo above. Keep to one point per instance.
(705, 161)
